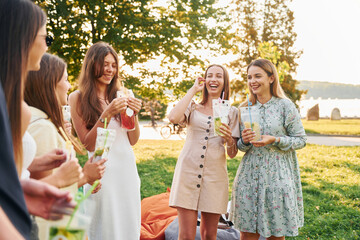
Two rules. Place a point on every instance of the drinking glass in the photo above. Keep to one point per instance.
(250, 118)
(127, 117)
(104, 140)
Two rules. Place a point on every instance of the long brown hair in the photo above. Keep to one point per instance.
(40, 92)
(89, 106)
(19, 26)
(225, 90)
(275, 87)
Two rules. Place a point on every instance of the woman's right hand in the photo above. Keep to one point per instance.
(48, 161)
(94, 171)
(68, 173)
(116, 106)
(199, 84)
(247, 135)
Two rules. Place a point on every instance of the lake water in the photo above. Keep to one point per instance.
(349, 108)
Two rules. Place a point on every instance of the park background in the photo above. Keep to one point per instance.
(163, 45)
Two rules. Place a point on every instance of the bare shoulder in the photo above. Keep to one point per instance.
(73, 97)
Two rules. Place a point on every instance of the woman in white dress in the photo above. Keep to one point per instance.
(117, 213)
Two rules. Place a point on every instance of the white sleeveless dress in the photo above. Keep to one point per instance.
(117, 213)
(29, 151)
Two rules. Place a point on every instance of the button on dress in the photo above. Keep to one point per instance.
(200, 179)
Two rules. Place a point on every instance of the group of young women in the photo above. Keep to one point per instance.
(35, 93)
(117, 200)
(266, 196)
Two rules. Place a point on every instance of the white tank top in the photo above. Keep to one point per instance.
(29, 151)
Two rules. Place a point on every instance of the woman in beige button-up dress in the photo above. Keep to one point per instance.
(200, 180)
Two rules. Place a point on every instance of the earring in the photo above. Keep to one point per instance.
(49, 40)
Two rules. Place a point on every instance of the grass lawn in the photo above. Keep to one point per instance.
(330, 178)
(326, 126)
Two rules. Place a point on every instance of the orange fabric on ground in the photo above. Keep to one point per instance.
(156, 215)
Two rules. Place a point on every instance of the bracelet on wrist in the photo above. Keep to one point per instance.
(233, 143)
(277, 141)
(246, 144)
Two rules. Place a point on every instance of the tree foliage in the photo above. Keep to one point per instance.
(141, 31)
(265, 29)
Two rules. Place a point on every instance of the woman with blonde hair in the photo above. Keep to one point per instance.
(267, 196)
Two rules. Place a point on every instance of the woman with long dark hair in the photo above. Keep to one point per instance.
(117, 214)
(22, 44)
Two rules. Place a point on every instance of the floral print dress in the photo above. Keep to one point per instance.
(267, 196)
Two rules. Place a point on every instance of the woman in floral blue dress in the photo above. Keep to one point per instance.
(267, 196)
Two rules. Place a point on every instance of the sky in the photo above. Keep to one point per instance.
(329, 34)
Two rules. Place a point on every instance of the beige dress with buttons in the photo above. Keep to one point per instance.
(200, 180)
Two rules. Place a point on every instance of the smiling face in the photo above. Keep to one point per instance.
(110, 69)
(62, 87)
(37, 50)
(215, 81)
(258, 81)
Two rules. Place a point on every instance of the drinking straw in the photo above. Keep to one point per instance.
(249, 104)
(105, 123)
(79, 198)
(64, 134)
(107, 133)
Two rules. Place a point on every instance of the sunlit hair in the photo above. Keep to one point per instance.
(225, 90)
(20, 22)
(275, 87)
(40, 92)
(89, 106)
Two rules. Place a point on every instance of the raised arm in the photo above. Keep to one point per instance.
(88, 137)
(177, 113)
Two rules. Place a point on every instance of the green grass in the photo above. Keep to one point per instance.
(327, 126)
(331, 188)
(330, 178)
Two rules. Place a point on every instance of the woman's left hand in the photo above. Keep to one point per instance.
(226, 131)
(134, 104)
(46, 201)
(265, 140)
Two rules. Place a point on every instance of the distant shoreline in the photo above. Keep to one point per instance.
(327, 90)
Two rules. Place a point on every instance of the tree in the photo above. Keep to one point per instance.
(268, 50)
(266, 27)
(140, 30)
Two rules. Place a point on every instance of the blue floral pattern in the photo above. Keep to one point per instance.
(267, 196)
